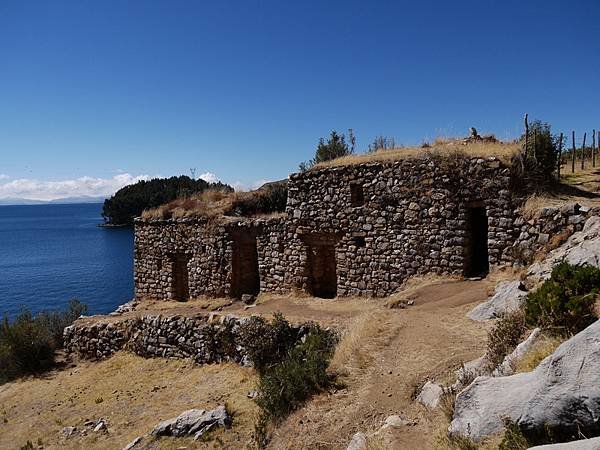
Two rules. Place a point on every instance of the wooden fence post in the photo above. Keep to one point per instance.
(560, 139)
(583, 151)
(594, 148)
(526, 135)
(573, 156)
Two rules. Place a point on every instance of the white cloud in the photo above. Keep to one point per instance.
(53, 190)
(4, 176)
(209, 177)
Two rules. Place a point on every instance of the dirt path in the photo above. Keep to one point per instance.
(395, 352)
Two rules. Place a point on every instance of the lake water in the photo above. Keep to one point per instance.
(52, 253)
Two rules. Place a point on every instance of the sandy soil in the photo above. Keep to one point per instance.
(384, 356)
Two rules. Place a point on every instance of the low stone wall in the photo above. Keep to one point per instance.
(204, 338)
(548, 228)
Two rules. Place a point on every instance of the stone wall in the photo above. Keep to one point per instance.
(208, 247)
(352, 230)
(546, 229)
(413, 219)
(204, 338)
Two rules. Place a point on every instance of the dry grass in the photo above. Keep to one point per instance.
(354, 349)
(440, 147)
(137, 393)
(543, 348)
(210, 204)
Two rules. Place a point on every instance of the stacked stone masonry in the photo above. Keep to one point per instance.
(202, 338)
(352, 230)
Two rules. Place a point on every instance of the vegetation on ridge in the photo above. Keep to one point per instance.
(129, 202)
(28, 343)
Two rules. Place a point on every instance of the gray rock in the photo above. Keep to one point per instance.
(430, 395)
(69, 431)
(585, 444)
(395, 421)
(133, 443)
(358, 442)
(508, 297)
(193, 422)
(248, 299)
(562, 393)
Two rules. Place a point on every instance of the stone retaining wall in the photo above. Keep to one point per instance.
(203, 338)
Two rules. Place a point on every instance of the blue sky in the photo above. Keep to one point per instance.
(95, 94)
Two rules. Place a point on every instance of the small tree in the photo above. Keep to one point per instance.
(381, 143)
(335, 147)
(538, 161)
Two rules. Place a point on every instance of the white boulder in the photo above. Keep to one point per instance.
(430, 395)
(563, 393)
(508, 297)
(508, 364)
(585, 444)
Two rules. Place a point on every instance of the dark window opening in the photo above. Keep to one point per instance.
(477, 261)
(359, 241)
(159, 264)
(357, 194)
(245, 278)
(322, 270)
(180, 277)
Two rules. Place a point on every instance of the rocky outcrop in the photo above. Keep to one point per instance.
(585, 444)
(508, 297)
(562, 394)
(194, 422)
(507, 367)
(582, 247)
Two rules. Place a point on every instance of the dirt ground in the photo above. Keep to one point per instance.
(384, 356)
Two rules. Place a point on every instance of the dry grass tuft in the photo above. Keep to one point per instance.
(441, 147)
(543, 348)
(213, 203)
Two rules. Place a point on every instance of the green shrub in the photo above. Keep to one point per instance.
(504, 337)
(302, 373)
(335, 147)
(565, 302)
(28, 343)
(267, 343)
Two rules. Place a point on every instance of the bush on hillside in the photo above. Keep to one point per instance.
(302, 373)
(28, 343)
(335, 147)
(534, 168)
(267, 343)
(129, 202)
(565, 302)
(292, 365)
(270, 198)
(504, 337)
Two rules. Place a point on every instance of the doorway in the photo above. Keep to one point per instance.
(245, 278)
(180, 284)
(322, 269)
(477, 260)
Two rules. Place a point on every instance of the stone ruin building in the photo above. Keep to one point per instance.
(354, 230)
